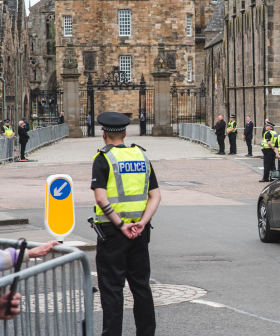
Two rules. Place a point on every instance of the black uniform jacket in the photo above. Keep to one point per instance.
(23, 136)
(248, 130)
(220, 127)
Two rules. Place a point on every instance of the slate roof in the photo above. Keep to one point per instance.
(219, 38)
(217, 19)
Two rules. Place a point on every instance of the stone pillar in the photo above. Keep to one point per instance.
(70, 77)
(161, 76)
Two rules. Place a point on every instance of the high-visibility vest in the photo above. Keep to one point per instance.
(272, 140)
(128, 183)
(8, 130)
(230, 126)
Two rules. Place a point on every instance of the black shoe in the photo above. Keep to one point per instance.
(222, 153)
(218, 153)
(230, 153)
(249, 155)
(263, 180)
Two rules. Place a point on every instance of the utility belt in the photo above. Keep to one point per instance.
(267, 150)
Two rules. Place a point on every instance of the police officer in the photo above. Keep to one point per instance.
(7, 129)
(232, 131)
(127, 196)
(268, 149)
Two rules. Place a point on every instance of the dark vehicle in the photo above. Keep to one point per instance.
(269, 211)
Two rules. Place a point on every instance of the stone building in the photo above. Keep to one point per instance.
(14, 60)
(249, 79)
(41, 29)
(214, 66)
(126, 34)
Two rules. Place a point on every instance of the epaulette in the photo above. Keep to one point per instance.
(133, 145)
(106, 149)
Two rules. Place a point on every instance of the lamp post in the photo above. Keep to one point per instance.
(90, 94)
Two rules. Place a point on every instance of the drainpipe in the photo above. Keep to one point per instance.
(264, 63)
(243, 69)
(234, 63)
(21, 83)
(16, 105)
(4, 96)
(254, 74)
(213, 87)
(228, 108)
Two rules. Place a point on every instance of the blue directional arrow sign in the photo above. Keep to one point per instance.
(60, 189)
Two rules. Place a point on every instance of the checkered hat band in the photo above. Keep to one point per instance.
(109, 129)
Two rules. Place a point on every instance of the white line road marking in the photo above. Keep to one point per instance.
(209, 303)
(262, 168)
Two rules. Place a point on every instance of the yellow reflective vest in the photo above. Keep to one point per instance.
(272, 140)
(128, 183)
(230, 126)
(8, 130)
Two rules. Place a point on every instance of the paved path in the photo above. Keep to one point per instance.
(205, 234)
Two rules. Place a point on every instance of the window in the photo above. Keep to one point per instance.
(124, 23)
(189, 70)
(125, 65)
(189, 25)
(67, 25)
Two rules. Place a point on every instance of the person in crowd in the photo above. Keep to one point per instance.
(23, 139)
(269, 150)
(88, 124)
(142, 119)
(26, 124)
(248, 135)
(61, 117)
(232, 131)
(219, 129)
(126, 224)
(7, 130)
(8, 259)
(264, 128)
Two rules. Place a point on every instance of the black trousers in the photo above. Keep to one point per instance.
(88, 129)
(22, 150)
(117, 259)
(232, 142)
(221, 142)
(142, 127)
(268, 162)
(249, 144)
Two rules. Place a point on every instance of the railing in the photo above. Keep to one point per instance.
(206, 136)
(198, 133)
(56, 294)
(38, 138)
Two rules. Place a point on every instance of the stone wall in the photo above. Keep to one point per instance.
(14, 40)
(41, 28)
(95, 33)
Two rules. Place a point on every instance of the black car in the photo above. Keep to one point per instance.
(269, 211)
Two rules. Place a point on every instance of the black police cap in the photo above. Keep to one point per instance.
(269, 124)
(113, 121)
(7, 120)
(232, 116)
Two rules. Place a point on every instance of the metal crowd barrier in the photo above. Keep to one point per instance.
(6, 149)
(46, 135)
(56, 294)
(38, 138)
(205, 135)
(198, 133)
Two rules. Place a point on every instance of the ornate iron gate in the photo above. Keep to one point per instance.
(45, 106)
(115, 80)
(187, 105)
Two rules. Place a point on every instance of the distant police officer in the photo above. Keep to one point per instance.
(232, 131)
(268, 148)
(7, 129)
(127, 196)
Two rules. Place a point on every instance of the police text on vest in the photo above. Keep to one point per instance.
(130, 167)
